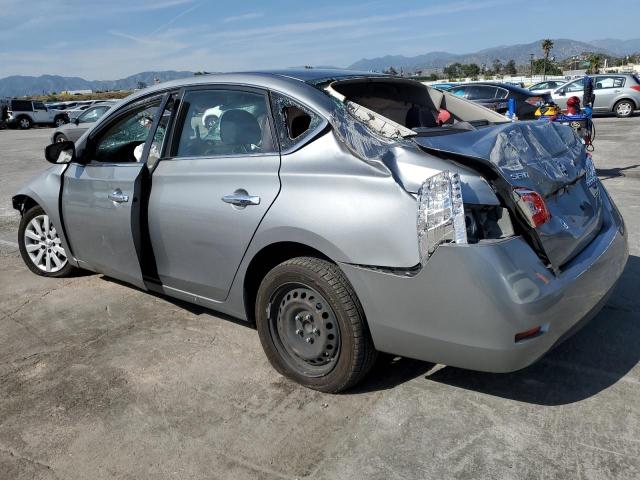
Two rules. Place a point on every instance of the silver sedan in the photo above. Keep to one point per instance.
(342, 213)
(73, 130)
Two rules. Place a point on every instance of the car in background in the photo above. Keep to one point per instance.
(24, 114)
(547, 86)
(495, 96)
(443, 86)
(617, 93)
(341, 213)
(74, 129)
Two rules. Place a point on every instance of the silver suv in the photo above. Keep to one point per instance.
(26, 113)
(617, 93)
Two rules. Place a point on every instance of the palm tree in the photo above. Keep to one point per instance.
(547, 45)
(595, 61)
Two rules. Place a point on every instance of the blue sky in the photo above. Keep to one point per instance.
(114, 38)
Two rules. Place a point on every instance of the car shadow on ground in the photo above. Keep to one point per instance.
(598, 356)
(607, 173)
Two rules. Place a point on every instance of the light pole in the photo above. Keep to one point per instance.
(531, 66)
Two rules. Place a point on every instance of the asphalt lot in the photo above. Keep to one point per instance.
(100, 380)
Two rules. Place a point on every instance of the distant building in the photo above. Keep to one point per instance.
(77, 92)
(628, 68)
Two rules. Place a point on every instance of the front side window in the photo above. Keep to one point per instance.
(39, 106)
(223, 122)
(478, 92)
(123, 141)
(576, 86)
(92, 115)
(295, 122)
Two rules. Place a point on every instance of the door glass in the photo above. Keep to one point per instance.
(481, 92)
(458, 92)
(576, 86)
(223, 122)
(92, 115)
(609, 82)
(39, 106)
(124, 140)
(294, 121)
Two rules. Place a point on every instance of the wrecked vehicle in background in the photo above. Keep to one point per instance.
(344, 213)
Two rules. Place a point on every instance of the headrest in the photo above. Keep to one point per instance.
(239, 127)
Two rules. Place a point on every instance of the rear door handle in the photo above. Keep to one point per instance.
(118, 197)
(241, 199)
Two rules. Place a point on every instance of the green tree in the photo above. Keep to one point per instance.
(452, 71)
(497, 66)
(470, 70)
(547, 46)
(510, 68)
(595, 61)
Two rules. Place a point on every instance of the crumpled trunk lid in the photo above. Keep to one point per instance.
(545, 157)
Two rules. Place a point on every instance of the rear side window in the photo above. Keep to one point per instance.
(459, 91)
(480, 92)
(39, 106)
(295, 122)
(609, 82)
(21, 106)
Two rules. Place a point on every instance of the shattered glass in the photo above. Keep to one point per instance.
(279, 105)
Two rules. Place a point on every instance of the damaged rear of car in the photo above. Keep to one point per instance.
(519, 242)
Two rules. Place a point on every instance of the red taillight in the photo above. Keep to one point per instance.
(532, 206)
(528, 334)
(535, 101)
(636, 87)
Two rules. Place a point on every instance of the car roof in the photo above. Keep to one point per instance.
(506, 86)
(299, 83)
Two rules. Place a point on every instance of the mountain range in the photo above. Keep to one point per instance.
(20, 85)
(563, 48)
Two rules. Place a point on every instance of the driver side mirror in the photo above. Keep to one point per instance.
(60, 152)
(76, 120)
(562, 92)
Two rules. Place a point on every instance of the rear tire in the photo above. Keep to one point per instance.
(24, 123)
(624, 108)
(312, 326)
(40, 245)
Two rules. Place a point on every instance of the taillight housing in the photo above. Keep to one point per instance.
(441, 217)
(636, 87)
(532, 206)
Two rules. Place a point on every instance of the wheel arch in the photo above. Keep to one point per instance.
(266, 259)
(628, 99)
(23, 202)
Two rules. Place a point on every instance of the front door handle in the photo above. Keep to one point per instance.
(241, 199)
(118, 197)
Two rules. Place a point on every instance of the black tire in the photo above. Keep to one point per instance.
(59, 121)
(354, 353)
(29, 215)
(60, 137)
(24, 122)
(624, 108)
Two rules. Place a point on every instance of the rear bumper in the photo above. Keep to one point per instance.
(467, 303)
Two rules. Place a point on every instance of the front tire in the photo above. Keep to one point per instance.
(59, 121)
(40, 245)
(624, 108)
(312, 326)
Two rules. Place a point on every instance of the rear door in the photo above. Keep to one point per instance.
(101, 197)
(606, 88)
(214, 184)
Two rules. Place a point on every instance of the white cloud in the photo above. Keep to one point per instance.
(244, 17)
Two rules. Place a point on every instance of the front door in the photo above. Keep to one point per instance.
(209, 193)
(101, 197)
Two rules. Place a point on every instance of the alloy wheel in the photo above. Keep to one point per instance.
(25, 123)
(624, 109)
(305, 330)
(60, 122)
(43, 245)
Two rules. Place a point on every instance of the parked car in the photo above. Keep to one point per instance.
(26, 113)
(298, 212)
(617, 93)
(496, 97)
(74, 129)
(547, 86)
(443, 86)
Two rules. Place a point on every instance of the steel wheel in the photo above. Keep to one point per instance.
(43, 245)
(624, 109)
(305, 330)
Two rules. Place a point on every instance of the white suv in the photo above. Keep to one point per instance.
(27, 113)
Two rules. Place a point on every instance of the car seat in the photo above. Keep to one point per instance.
(239, 130)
